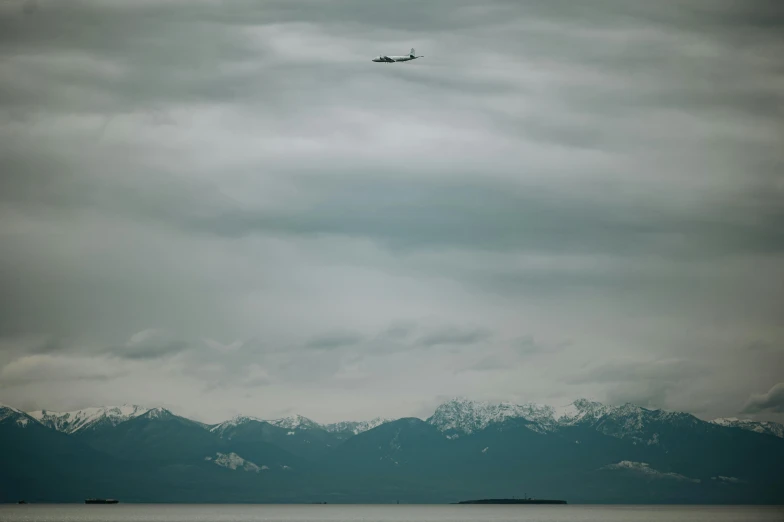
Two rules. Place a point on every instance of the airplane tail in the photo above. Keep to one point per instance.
(413, 53)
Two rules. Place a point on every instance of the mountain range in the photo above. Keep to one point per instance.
(586, 453)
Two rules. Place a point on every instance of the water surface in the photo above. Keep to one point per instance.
(383, 513)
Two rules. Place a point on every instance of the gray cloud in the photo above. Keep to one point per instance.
(509, 356)
(665, 370)
(645, 383)
(35, 369)
(152, 351)
(334, 340)
(48, 345)
(448, 214)
(400, 331)
(489, 363)
(772, 401)
(454, 336)
(528, 346)
(235, 175)
(648, 394)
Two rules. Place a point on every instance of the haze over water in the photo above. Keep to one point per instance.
(386, 513)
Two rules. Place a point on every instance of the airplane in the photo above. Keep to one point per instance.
(392, 59)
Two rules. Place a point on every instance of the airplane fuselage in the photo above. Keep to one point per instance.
(393, 59)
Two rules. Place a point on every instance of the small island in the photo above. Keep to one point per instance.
(513, 501)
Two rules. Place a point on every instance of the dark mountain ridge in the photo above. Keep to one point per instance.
(589, 454)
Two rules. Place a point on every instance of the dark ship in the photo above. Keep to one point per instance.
(100, 501)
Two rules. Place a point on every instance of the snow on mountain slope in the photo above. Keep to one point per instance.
(641, 425)
(581, 410)
(18, 417)
(456, 417)
(766, 427)
(356, 427)
(234, 462)
(636, 423)
(464, 416)
(8, 411)
(238, 420)
(88, 418)
(643, 468)
(295, 422)
(157, 413)
(298, 422)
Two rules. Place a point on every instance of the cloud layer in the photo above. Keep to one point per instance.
(226, 207)
(772, 401)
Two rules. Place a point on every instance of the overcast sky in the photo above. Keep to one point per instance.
(226, 207)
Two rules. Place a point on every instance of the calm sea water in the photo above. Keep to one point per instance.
(342, 513)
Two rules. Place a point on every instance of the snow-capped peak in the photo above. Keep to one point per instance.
(581, 410)
(466, 416)
(729, 421)
(235, 421)
(461, 416)
(73, 421)
(157, 413)
(294, 422)
(11, 414)
(7, 410)
(766, 427)
(356, 427)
